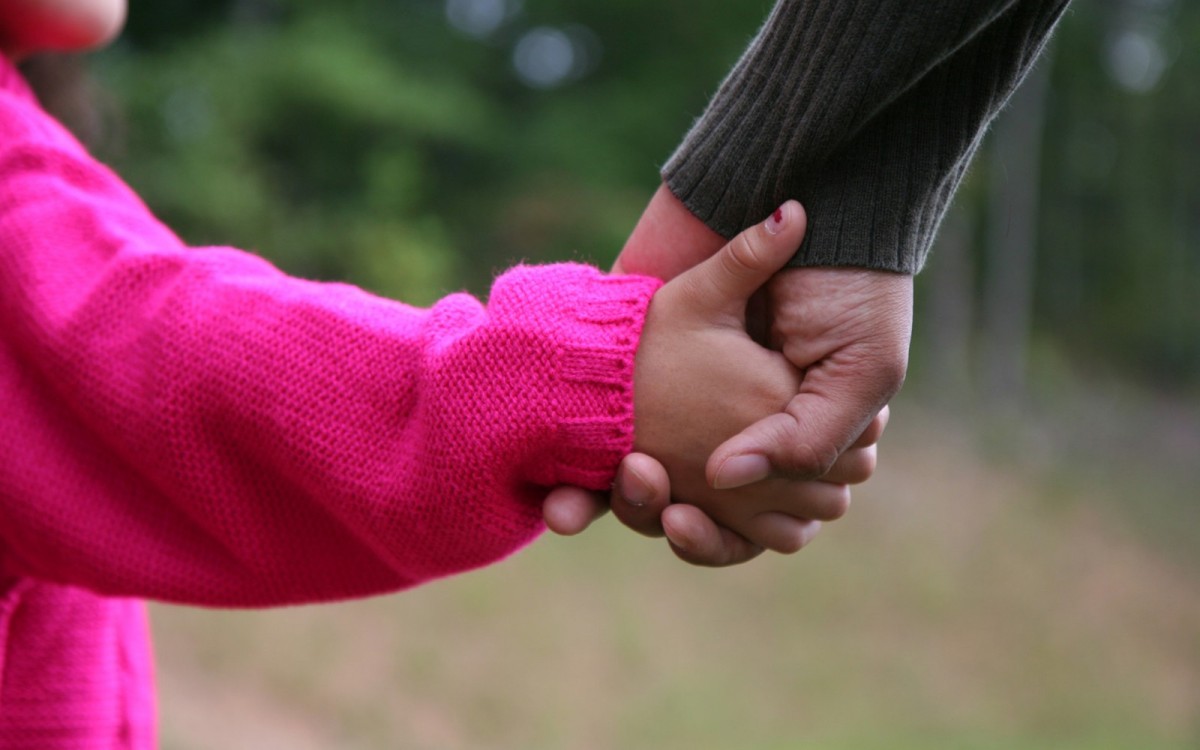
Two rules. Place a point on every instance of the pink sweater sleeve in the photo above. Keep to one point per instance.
(193, 425)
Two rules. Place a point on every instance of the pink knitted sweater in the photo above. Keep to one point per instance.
(191, 425)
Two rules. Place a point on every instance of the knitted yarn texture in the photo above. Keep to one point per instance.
(868, 113)
(192, 425)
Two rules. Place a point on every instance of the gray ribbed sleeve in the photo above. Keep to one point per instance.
(866, 111)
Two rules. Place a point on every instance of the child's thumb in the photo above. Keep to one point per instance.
(749, 260)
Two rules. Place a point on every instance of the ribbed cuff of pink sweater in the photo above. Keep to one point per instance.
(598, 320)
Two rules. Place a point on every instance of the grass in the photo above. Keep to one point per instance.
(965, 602)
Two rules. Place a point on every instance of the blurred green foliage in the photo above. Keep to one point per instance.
(374, 142)
(1120, 228)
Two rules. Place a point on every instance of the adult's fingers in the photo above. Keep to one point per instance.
(781, 533)
(641, 493)
(813, 500)
(697, 539)
(874, 431)
(726, 281)
(855, 466)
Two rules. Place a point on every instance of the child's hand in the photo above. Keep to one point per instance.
(700, 379)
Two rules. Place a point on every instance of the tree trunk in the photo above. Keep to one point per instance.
(947, 315)
(1010, 249)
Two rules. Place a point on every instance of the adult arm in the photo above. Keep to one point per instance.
(874, 138)
(868, 112)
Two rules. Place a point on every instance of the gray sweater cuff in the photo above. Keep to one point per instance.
(868, 113)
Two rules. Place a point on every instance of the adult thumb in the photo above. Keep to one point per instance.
(726, 280)
(834, 406)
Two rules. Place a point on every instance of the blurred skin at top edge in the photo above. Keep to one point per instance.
(31, 26)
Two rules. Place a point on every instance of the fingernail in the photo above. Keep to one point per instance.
(633, 488)
(775, 223)
(740, 471)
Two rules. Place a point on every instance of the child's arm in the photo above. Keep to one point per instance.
(193, 425)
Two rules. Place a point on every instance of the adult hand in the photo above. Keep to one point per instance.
(847, 328)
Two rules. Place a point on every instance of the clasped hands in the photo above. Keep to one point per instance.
(800, 420)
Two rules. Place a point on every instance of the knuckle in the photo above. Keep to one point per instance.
(807, 461)
(874, 378)
(893, 371)
(743, 255)
(798, 457)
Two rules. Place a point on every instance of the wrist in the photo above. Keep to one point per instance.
(667, 240)
(582, 384)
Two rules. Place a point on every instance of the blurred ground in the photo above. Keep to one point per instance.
(971, 599)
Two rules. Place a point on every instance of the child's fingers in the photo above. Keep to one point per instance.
(570, 510)
(780, 532)
(726, 280)
(697, 539)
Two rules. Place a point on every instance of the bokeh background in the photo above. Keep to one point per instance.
(1023, 572)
